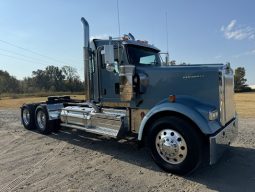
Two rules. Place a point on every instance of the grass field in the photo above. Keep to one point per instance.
(245, 103)
(8, 102)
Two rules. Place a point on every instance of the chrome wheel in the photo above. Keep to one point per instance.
(41, 119)
(171, 146)
(26, 117)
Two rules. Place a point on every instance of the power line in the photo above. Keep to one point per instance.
(22, 59)
(28, 50)
(15, 53)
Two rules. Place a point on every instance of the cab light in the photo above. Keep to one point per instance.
(125, 38)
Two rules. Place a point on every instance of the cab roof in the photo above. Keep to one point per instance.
(101, 42)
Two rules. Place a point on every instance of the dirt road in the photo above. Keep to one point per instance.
(76, 161)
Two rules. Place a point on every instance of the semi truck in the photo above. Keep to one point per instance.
(185, 114)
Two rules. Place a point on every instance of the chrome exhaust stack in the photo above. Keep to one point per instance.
(86, 59)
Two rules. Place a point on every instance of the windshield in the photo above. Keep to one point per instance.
(138, 55)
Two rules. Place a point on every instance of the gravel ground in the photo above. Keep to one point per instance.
(72, 160)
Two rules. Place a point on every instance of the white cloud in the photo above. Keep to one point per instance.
(236, 32)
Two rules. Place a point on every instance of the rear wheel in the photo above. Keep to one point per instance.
(175, 145)
(42, 120)
(27, 116)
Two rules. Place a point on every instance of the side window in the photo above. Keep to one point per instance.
(139, 55)
(147, 60)
(118, 54)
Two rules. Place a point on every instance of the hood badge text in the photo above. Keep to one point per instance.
(192, 76)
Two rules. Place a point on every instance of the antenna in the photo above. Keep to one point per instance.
(118, 16)
(119, 29)
(167, 53)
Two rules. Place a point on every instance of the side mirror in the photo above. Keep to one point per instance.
(108, 53)
(110, 67)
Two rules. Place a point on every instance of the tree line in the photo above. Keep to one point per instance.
(50, 79)
(240, 80)
(66, 79)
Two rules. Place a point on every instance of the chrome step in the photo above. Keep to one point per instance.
(98, 130)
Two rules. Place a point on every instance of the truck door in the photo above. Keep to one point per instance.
(109, 80)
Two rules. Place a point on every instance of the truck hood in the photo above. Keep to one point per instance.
(201, 82)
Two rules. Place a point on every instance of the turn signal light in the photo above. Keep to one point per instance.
(213, 115)
(172, 98)
(142, 114)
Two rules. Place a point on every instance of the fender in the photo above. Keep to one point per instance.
(190, 108)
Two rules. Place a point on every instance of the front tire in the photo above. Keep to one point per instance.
(175, 145)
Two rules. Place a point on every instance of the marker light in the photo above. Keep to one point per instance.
(125, 38)
(142, 114)
(171, 98)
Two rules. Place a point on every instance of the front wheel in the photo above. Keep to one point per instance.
(175, 145)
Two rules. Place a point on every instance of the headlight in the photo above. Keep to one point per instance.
(213, 115)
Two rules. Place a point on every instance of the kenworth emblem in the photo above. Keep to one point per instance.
(193, 76)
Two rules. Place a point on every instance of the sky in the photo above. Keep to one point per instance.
(35, 34)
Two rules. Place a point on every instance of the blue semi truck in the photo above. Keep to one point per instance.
(185, 114)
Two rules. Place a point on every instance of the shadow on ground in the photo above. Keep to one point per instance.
(234, 172)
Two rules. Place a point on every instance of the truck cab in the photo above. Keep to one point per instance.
(185, 114)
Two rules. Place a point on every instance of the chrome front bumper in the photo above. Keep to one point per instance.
(220, 141)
